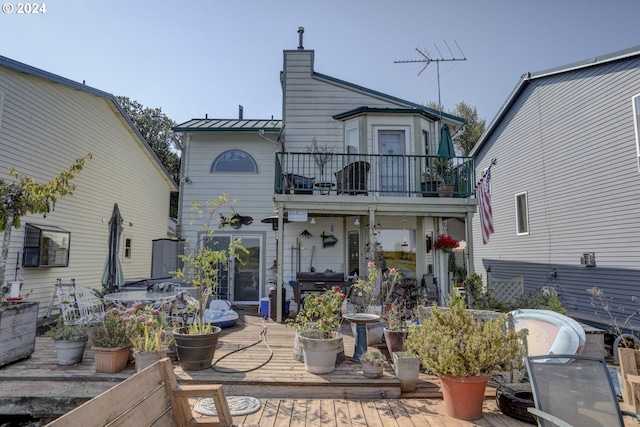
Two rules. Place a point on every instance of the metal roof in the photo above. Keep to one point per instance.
(377, 110)
(229, 125)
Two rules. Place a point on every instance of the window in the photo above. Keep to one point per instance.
(636, 122)
(45, 246)
(127, 248)
(234, 161)
(522, 214)
(351, 139)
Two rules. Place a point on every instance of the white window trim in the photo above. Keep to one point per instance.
(635, 104)
(526, 199)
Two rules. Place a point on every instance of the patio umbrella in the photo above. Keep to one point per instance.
(112, 275)
(445, 149)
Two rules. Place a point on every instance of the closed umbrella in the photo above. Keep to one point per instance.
(112, 275)
(446, 149)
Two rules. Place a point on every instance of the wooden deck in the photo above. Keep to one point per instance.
(254, 358)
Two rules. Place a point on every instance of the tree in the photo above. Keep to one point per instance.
(24, 195)
(155, 127)
(473, 129)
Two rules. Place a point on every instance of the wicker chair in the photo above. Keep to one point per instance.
(298, 184)
(352, 179)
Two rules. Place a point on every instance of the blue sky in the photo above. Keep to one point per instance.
(197, 57)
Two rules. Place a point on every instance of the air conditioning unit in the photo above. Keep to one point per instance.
(588, 259)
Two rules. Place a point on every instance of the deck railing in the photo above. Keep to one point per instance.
(374, 174)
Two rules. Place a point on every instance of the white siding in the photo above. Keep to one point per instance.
(45, 127)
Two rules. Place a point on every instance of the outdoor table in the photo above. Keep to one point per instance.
(126, 298)
(361, 320)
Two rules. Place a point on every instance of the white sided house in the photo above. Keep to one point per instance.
(349, 174)
(566, 182)
(46, 122)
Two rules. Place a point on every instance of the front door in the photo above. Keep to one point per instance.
(239, 280)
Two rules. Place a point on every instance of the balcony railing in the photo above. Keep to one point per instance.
(374, 174)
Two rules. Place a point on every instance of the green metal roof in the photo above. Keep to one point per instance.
(229, 125)
(377, 110)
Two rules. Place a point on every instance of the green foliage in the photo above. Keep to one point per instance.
(373, 356)
(149, 329)
(201, 266)
(113, 332)
(320, 313)
(61, 332)
(473, 128)
(453, 342)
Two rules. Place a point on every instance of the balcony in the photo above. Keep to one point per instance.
(374, 175)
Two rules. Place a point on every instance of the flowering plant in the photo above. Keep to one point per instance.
(320, 313)
(148, 328)
(371, 291)
(113, 332)
(445, 242)
(61, 332)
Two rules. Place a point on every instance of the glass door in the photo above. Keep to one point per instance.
(239, 280)
(392, 174)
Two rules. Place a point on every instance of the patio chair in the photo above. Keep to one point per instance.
(579, 392)
(90, 305)
(67, 304)
(298, 184)
(352, 179)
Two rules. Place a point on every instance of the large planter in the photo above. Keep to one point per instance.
(463, 396)
(144, 359)
(69, 352)
(17, 331)
(407, 369)
(196, 352)
(111, 360)
(394, 340)
(320, 353)
(429, 188)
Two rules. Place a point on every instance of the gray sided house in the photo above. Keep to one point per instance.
(347, 175)
(566, 185)
(47, 121)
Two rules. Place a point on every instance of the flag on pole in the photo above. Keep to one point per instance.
(483, 194)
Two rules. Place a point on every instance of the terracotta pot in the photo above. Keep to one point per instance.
(111, 360)
(147, 358)
(463, 396)
(446, 191)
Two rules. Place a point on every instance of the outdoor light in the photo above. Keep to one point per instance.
(313, 221)
(356, 222)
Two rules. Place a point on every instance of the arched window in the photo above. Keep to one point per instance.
(234, 161)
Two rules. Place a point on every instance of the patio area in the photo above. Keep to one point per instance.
(254, 358)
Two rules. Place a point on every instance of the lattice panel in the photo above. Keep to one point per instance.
(505, 290)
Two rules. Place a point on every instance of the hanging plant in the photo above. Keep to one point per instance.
(445, 242)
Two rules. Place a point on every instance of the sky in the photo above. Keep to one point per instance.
(193, 58)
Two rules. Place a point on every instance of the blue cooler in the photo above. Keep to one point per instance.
(264, 307)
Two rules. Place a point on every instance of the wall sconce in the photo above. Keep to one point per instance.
(356, 222)
(313, 221)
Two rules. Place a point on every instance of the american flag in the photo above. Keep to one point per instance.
(483, 194)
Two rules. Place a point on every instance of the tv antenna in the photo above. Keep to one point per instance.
(427, 58)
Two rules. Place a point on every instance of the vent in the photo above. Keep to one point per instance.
(588, 259)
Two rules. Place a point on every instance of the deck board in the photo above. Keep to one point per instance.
(248, 365)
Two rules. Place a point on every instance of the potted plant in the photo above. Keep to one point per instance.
(367, 296)
(443, 170)
(321, 155)
(111, 342)
(196, 340)
(406, 365)
(317, 330)
(69, 342)
(429, 184)
(150, 336)
(396, 329)
(19, 197)
(445, 243)
(373, 363)
(464, 352)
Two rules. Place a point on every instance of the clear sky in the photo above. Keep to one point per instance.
(197, 57)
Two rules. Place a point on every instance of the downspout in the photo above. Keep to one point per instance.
(280, 269)
(184, 156)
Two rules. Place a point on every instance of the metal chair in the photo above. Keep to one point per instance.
(352, 179)
(90, 305)
(67, 304)
(574, 390)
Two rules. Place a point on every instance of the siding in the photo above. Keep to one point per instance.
(46, 126)
(568, 140)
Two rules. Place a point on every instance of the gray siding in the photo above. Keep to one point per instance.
(568, 141)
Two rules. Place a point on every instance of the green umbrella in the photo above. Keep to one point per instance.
(445, 149)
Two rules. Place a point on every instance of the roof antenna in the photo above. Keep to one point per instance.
(300, 33)
(429, 59)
